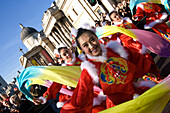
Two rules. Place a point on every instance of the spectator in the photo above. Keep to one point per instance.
(22, 106)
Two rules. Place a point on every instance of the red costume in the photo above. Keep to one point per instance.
(125, 40)
(114, 72)
(52, 91)
(126, 23)
(56, 87)
(154, 17)
(76, 61)
(99, 98)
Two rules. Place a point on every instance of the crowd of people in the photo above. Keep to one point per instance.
(11, 104)
(115, 69)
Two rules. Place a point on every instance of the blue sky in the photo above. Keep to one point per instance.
(13, 12)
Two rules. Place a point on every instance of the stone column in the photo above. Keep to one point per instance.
(62, 23)
(53, 39)
(68, 38)
(58, 28)
(56, 36)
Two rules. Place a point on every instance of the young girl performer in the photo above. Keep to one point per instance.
(112, 68)
(70, 59)
(125, 40)
(68, 55)
(155, 18)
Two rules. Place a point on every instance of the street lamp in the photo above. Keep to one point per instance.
(21, 50)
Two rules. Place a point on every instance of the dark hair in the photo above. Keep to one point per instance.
(98, 22)
(59, 49)
(80, 32)
(111, 13)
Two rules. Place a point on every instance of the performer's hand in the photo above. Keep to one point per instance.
(134, 18)
(37, 101)
(156, 13)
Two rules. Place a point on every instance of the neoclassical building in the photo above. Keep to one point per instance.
(57, 22)
(40, 48)
(78, 11)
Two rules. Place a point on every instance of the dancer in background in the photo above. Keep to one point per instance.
(155, 18)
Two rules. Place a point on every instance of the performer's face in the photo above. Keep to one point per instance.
(115, 17)
(66, 54)
(89, 44)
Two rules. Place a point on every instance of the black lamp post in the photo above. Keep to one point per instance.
(21, 50)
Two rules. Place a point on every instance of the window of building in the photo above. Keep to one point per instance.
(75, 11)
(70, 18)
(98, 11)
(28, 42)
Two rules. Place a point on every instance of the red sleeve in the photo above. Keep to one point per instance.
(139, 13)
(52, 91)
(65, 97)
(157, 8)
(143, 65)
(114, 37)
(130, 43)
(82, 98)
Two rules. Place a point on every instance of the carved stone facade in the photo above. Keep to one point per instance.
(80, 11)
(59, 19)
(37, 56)
(40, 48)
(57, 27)
(57, 22)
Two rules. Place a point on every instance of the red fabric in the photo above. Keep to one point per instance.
(141, 90)
(118, 89)
(109, 103)
(105, 40)
(64, 97)
(130, 43)
(148, 10)
(76, 63)
(127, 25)
(99, 108)
(114, 37)
(163, 30)
(82, 98)
(52, 91)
